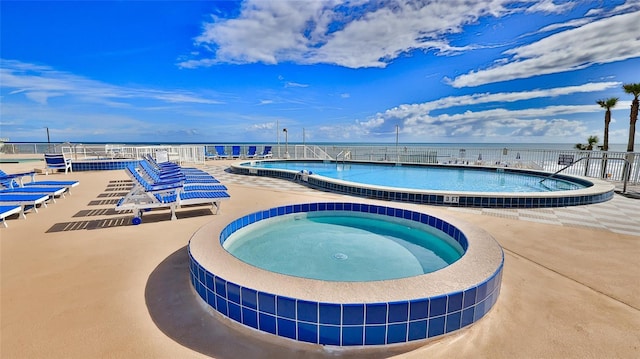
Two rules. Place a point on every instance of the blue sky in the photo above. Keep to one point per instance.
(452, 71)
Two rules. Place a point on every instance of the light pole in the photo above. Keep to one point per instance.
(397, 153)
(48, 140)
(286, 143)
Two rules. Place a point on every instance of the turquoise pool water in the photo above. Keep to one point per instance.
(340, 247)
(426, 177)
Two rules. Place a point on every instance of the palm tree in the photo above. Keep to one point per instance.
(633, 89)
(591, 141)
(607, 104)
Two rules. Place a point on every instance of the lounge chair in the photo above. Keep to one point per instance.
(18, 178)
(53, 192)
(193, 179)
(251, 153)
(173, 166)
(11, 186)
(220, 152)
(57, 161)
(235, 152)
(6, 211)
(25, 200)
(160, 176)
(66, 184)
(144, 196)
(266, 152)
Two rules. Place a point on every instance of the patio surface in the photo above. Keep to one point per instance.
(78, 281)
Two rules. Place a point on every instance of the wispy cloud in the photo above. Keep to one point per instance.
(40, 83)
(500, 97)
(295, 84)
(604, 41)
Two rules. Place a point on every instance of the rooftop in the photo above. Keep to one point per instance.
(79, 281)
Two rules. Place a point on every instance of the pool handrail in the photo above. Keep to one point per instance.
(625, 174)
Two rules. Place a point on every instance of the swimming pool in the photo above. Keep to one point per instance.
(451, 185)
(347, 314)
(343, 246)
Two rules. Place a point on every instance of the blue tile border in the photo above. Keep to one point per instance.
(346, 324)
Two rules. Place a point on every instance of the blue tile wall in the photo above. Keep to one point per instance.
(351, 324)
(105, 165)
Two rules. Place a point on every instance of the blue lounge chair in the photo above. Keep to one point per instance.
(266, 152)
(53, 192)
(251, 153)
(173, 166)
(145, 195)
(57, 161)
(220, 152)
(18, 177)
(25, 200)
(159, 176)
(66, 184)
(235, 152)
(11, 186)
(199, 182)
(6, 211)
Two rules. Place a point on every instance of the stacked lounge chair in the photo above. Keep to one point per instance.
(168, 188)
(189, 179)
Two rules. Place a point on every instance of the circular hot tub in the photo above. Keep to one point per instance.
(307, 282)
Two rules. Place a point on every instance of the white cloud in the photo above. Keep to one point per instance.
(295, 84)
(262, 126)
(474, 99)
(548, 6)
(569, 24)
(419, 122)
(39, 83)
(353, 34)
(604, 41)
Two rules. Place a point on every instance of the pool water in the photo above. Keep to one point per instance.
(341, 247)
(427, 177)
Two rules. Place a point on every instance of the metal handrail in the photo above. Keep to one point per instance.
(625, 175)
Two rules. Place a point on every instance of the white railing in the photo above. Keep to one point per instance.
(540, 159)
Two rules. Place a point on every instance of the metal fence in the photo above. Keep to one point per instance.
(599, 164)
(78, 151)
